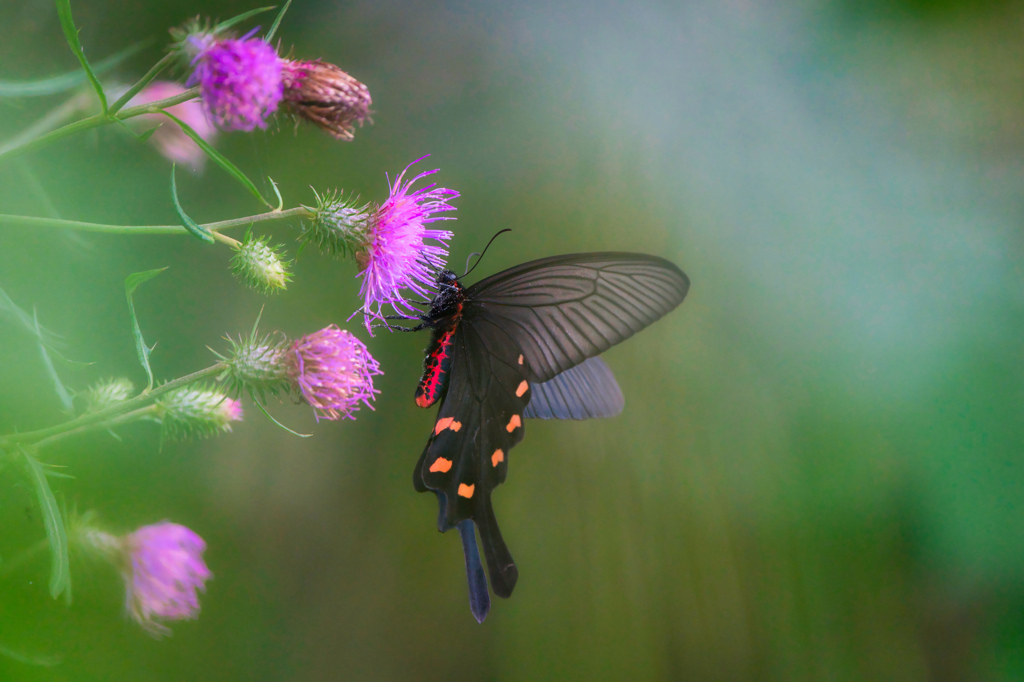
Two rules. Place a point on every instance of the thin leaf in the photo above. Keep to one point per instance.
(58, 385)
(217, 157)
(150, 76)
(271, 418)
(71, 33)
(66, 81)
(228, 23)
(130, 283)
(60, 573)
(10, 310)
(29, 659)
(277, 21)
(190, 225)
(280, 199)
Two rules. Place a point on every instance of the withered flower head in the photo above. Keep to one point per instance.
(327, 96)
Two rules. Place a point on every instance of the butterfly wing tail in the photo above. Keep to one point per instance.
(479, 597)
(500, 565)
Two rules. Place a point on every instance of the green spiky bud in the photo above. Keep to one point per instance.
(102, 395)
(260, 266)
(196, 411)
(339, 225)
(257, 364)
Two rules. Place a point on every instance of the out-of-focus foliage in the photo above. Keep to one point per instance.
(818, 474)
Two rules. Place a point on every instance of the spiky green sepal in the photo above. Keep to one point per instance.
(196, 412)
(339, 225)
(260, 265)
(106, 393)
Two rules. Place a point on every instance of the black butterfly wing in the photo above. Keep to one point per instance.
(585, 391)
(565, 309)
(479, 421)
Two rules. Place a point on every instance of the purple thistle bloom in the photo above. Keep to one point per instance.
(333, 371)
(395, 255)
(163, 570)
(240, 80)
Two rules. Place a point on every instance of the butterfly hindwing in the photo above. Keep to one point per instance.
(585, 391)
(479, 421)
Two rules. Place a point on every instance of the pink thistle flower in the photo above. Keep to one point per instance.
(333, 371)
(395, 254)
(240, 80)
(323, 94)
(169, 139)
(163, 570)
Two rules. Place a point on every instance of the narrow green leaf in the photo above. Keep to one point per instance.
(150, 76)
(277, 21)
(130, 283)
(28, 659)
(62, 391)
(280, 199)
(218, 158)
(66, 81)
(145, 135)
(228, 23)
(60, 572)
(271, 418)
(71, 33)
(11, 310)
(190, 225)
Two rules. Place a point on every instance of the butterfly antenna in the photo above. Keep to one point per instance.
(507, 229)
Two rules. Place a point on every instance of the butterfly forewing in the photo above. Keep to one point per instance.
(565, 309)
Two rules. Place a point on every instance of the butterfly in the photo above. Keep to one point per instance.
(524, 343)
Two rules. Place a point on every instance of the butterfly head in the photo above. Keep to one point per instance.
(449, 296)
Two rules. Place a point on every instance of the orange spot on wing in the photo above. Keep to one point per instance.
(442, 424)
(441, 464)
(520, 359)
(423, 400)
(513, 423)
(522, 389)
(455, 426)
(466, 490)
(497, 458)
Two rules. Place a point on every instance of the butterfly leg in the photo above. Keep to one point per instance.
(479, 598)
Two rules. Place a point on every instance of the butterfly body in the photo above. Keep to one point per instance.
(523, 344)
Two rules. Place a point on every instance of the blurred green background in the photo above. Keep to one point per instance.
(818, 472)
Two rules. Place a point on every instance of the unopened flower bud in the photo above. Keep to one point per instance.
(339, 224)
(260, 265)
(106, 393)
(325, 95)
(196, 411)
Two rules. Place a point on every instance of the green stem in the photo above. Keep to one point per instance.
(116, 421)
(20, 145)
(33, 221)
(113, 411)
(142, 82)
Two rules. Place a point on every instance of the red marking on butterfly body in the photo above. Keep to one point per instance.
(435, 371)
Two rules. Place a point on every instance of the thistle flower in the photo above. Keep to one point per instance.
(258, 364)
(163, 570)
(197, 411)
(333, 371)
(240, 80)
(390, 241)
(260, 266)
(106, 393)
(325, 95)
(169, 139)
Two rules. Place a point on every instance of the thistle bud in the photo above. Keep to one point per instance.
(260, 265)
(326, 96)
(196, 411)
(106, 393)
(339, 225)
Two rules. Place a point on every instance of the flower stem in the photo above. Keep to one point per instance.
(23, 143)
(33, 221)
(115, 421)
(101, 417)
